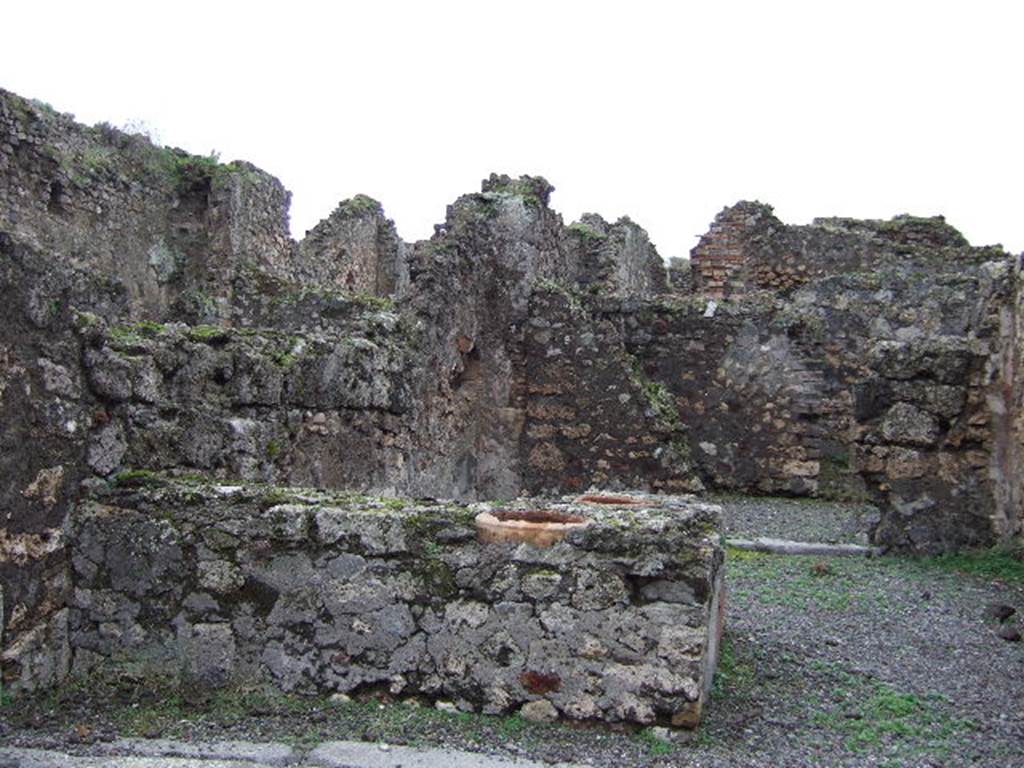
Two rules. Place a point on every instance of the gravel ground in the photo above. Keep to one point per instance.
(827, 662)
(796, 519)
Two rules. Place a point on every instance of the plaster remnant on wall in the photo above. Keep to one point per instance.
(46, 486)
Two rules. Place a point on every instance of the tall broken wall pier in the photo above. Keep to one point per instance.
(158, 317)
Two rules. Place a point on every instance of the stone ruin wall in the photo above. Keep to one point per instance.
(748, 249)
(593, 418)
(159, 317)
(1010, 433)
(915, 336)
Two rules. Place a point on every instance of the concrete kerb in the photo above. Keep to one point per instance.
(160, 753)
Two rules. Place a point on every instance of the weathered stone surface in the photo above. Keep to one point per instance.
(349, 754)
(371, 593)
(269, 754)
(39, 758)
(541, 711)
(356, 249)
(161, 753)
(252, 405)
(748, 248)
(1009, 633)
(615, 258)
(593, 416)
(207, 652)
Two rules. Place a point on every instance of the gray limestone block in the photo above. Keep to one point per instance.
(598, 590)
(220, 576)
(145, 557)
(109, 375)
(146, 381)
(383, 534)
(257, 380)
(58, 379)
(207, 653)
(106, 448)
(906, 424)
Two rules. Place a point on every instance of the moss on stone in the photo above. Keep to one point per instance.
(585, 232)
(149, 329)
(543, 572)
(192, 477)
(361, 204)
(137, 478)
(284, 359)
(657, 395)
(437, 576)
(91, 162)
(136, 333)
(207, 333)
(573, 297)
(533, 190)
(185, 169)
(30, 110)
(372, 302)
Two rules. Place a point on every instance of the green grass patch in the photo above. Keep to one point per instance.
(735, 674)
(164, 710)
(513, 725)
(193, 478)
(151, 719)
(93, 161)
(415, 724)
(524, 188)
(997, 563)
(654, 743)
(885, 720)
(746, 555)
(187, 169)
(134, 704)
(794, 581)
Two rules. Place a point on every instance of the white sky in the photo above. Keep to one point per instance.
(665, 111)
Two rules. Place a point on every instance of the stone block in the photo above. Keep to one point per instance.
(207, 654)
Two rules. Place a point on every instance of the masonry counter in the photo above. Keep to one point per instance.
(618, 619)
